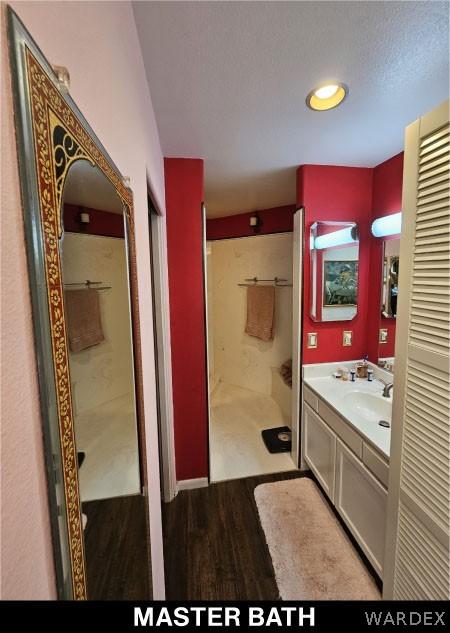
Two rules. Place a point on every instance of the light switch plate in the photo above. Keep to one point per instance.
(312, 340)
(347, 336)
(383, 335)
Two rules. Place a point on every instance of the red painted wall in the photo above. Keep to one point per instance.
(184, 194)
(274, 220)
(360, 195)
(386, 199)
(340, 194)
(100, 222)
(327, 193)
(387, 187)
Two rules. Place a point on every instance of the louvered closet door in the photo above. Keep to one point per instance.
(417, 546)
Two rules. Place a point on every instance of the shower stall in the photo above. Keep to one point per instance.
(250, 352)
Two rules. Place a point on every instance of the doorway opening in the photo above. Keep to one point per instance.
(253, 332)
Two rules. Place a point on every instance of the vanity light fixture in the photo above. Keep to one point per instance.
(348, 235)
(327, 96)
(388, 225)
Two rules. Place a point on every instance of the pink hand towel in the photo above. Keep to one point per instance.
(260, 311)
(84, 324)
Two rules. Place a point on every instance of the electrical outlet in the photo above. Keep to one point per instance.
(312, 340)
(347, 338)
(383, 335)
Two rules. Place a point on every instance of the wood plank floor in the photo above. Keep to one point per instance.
(214, 545)
(115, 537)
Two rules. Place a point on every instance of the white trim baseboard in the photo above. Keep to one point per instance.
(191, 484)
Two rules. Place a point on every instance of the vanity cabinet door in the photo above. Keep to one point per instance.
(361, 501)
(320, 450)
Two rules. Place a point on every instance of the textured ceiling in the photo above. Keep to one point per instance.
(228, 82)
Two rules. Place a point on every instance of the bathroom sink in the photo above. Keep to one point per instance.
(369, 406)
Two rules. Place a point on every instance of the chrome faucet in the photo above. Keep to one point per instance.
(387, 389)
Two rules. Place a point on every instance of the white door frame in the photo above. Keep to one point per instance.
(206, 480)
(157, 226)
(297, 322)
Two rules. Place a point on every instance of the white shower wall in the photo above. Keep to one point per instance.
(104, 372)
(240, 359)
(213, 377)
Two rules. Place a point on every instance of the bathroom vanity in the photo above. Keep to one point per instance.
(348, 450)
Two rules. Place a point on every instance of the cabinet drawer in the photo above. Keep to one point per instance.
(320, 450)
(376, 464)
(310, 397)
(341, 428)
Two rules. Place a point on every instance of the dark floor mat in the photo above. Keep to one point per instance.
(276, 439)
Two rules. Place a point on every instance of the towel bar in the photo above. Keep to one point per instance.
(275, 282)
(89, 283)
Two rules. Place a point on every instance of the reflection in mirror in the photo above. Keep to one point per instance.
(390, 278)
(389, 296)
(94, 258)
(334, 250)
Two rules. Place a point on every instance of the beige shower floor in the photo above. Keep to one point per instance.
(236, 447)
(108, 435)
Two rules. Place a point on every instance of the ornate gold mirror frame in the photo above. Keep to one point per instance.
(51, 135)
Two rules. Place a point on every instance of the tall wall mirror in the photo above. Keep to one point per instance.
(334, 252)
(94, 259)
(78, 216)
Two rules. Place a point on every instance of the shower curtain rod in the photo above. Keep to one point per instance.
(275, 282)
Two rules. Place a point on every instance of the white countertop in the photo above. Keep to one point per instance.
(339, 393)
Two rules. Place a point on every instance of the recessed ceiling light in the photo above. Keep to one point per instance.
(326, 91)
(327, 96)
